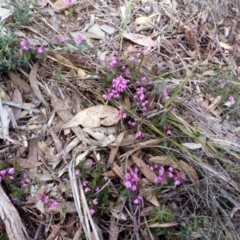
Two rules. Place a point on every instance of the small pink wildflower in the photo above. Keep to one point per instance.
(141, 97)
(53, 204)
(87, 189)
(69, 2)
(11, 171)
(165, 93)
(11, 177)
(139, 135)
(119, 85)
(61, 38)
(121, 113)
(158, 180)
(97, 189)
(131, 179)
(131, 123)
(24, 44)
(40, 49)
(127, 72)
(113, 62)
(231, 99)
(92, 211)
(79, 39)
(137, 200)
(46, 199)
(222, 82)
(85, 183)
(169, 133)
(127, 184)
(77, 172)
(95, 201)
(3, 172)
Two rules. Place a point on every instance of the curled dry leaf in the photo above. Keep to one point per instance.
(34, 84)
(180, 165)
(147, 192)
(192, 146)
(94, 117)
(140, 39)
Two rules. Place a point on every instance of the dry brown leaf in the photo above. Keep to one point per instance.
(21, 83)
(94, 117)
(54, 232)
(33, 154)
(189, 170)
(60, 5)
(142, 20)
(17, 98)
(114, 150)
(56, 141)
(148, 194)
(140, 39)
(34, 84)
(65, 114)
(109, 174)
(147, 211)
(150, 175)
(81, 73)
(118, 170)
(114, 229)
(63, 61)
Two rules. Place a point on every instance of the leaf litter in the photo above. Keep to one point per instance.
(54, 122)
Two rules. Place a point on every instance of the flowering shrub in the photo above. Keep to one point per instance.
(164, 177)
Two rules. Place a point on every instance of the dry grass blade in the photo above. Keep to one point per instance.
(81, 204)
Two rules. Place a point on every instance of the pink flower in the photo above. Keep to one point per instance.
(131, 123)
(85, 183)
(139, 134)
(231, 99)
(40, 49)
(169, 133)
(113, 62)
(24, 44)
(127, 184)
(79, 39)
(77, 172)
(46, 199)
(161, 171)
(95, 201)
(137, 200)
(11, 171)
(87, 190)
(11, 177)
(119, 85)
(165, 93)
(3, 172)
(97, 189)
(134, 188)
(53, 204)
(61, 38)
(121, 113)
(92, 211)
(69, 2)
